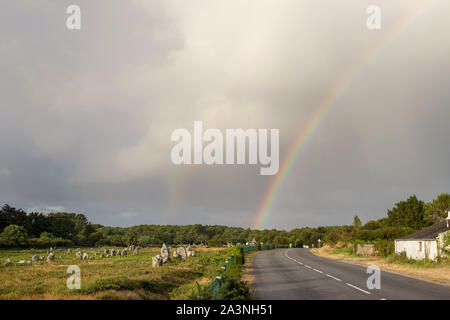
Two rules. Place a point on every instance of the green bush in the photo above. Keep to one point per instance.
(239, 257)
(236, 290)
(385, 247)
(14, 235)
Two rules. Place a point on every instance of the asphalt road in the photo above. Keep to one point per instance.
(296, 274)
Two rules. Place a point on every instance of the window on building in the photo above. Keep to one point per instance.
(420, 245)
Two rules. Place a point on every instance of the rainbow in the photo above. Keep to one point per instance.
(177, 194)
(324, 108)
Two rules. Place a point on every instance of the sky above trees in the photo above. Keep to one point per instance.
(86, 116)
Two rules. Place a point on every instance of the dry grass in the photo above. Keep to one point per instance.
(129, 277)
(439, 273)
(248, 275)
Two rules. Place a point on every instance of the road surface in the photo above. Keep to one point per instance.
(296, 274)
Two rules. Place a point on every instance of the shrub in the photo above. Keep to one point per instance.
(385, 247)
(14, 235)
(239, 257)
(236, 290)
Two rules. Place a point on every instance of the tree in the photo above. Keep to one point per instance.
(16, 235)
(438, 208)
(356, 221)
(144, 240)
(129, 238)
(10, 215)
(409, 213)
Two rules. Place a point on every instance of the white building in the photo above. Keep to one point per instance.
(424, 243)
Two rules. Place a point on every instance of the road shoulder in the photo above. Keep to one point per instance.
(248, 273)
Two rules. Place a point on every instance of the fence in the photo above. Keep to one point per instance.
(213, 290)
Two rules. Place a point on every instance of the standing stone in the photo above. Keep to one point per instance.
(113, 252)
(182, 251)
(157, 261)
(69, 250)
(7, 261)
(124, 252)
(177, 255)
(35, 258)
(136, 251)
(50, 257)
(106, 251)
(85, 256)
(165, 253)
(79, 256)
(190, 252)
(119, 253)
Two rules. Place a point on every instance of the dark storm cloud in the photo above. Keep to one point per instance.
(86, 116)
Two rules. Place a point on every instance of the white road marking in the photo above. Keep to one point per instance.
(355, 287)
(329, 275)
(317, 270)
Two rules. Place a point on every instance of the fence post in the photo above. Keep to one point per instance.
(217, 286)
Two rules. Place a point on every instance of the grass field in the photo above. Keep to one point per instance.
(129, 277)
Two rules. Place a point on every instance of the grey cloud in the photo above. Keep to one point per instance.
(86, 116)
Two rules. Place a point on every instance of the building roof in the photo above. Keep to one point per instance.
(430, 232)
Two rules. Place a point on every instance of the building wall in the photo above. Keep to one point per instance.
(411, 247)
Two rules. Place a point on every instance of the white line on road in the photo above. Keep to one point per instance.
(355, 287)
(337, 279)
(328, 275)
(317, 270)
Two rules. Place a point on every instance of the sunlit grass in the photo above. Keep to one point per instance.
(129, 277)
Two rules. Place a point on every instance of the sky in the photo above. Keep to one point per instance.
(86, 115)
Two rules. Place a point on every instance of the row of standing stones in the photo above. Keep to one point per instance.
(180, 253)
(79, 255)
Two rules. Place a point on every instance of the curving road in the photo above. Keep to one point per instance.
(296, 274)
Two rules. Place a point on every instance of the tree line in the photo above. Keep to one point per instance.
(34, 229)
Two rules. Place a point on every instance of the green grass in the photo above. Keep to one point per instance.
(424, 263)
(129, 277)
(348, 251)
